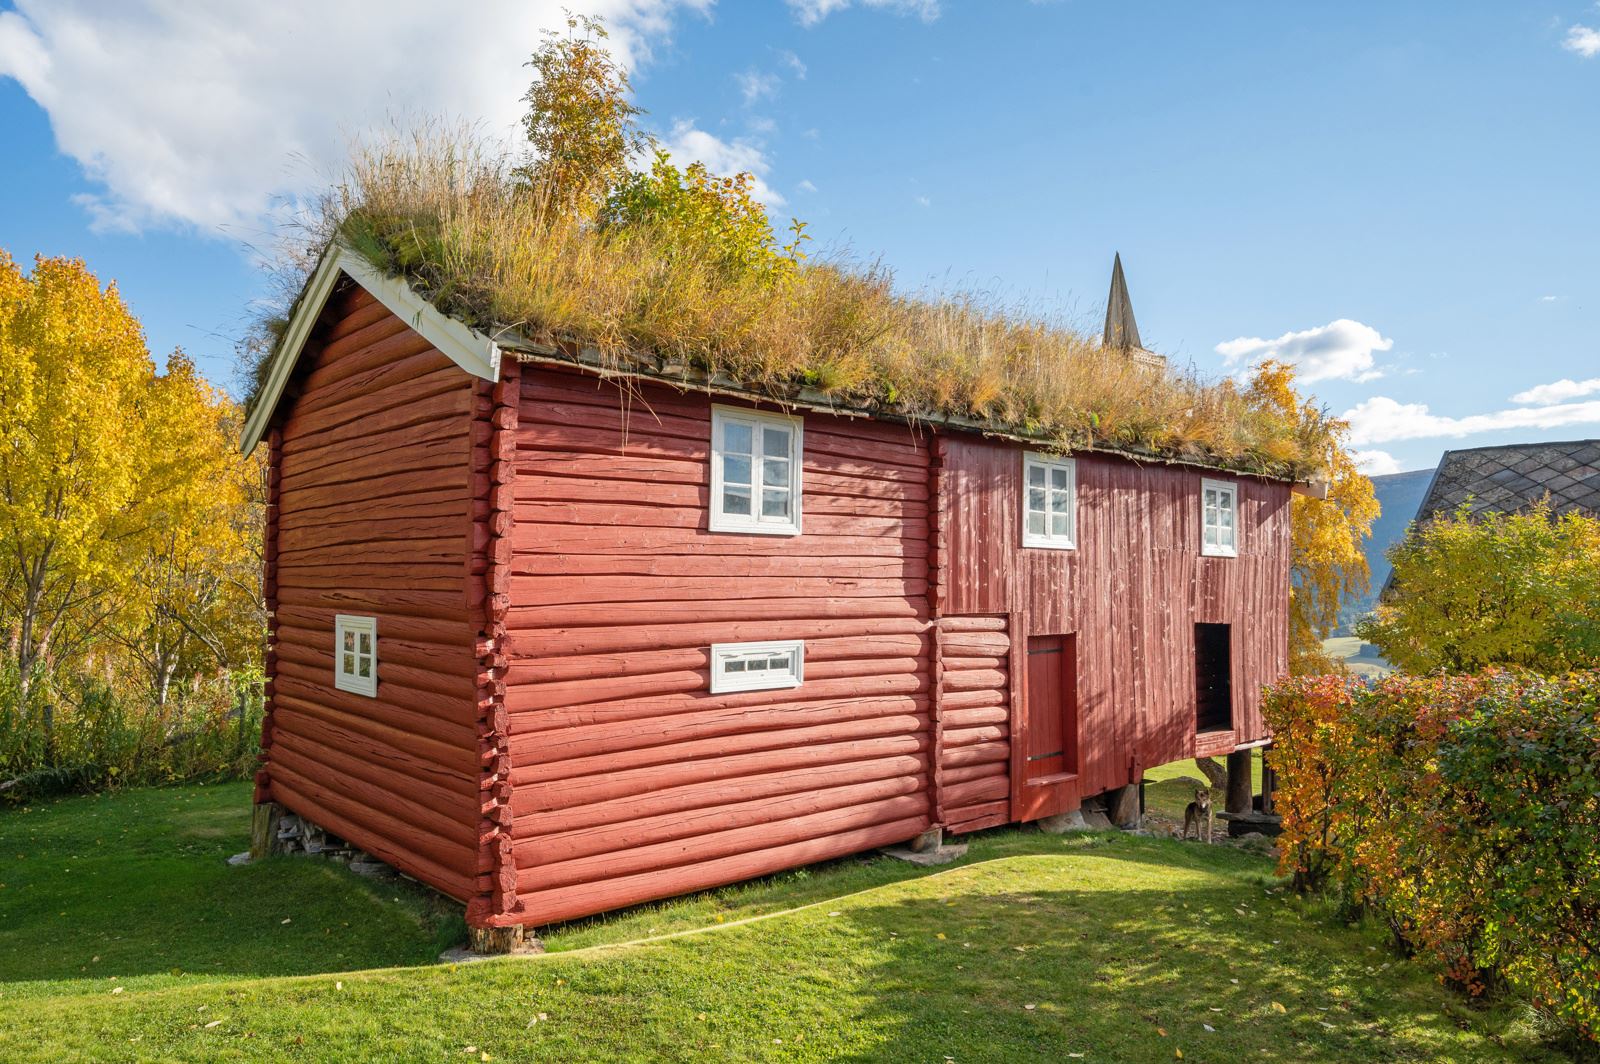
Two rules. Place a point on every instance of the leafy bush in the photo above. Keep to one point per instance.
(1463, 810)
(84, 734)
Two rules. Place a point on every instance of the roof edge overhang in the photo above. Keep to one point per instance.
(685, 378)
(466, 347)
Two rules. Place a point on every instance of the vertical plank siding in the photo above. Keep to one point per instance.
(1132, 590)
(370, 513)
(632, 781)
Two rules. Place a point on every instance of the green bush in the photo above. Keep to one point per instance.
(83, 734)
(1465, 812)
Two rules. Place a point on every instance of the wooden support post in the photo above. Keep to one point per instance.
(264, 829)
(1241, 790)
(1269, 784)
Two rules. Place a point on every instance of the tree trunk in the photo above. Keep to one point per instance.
(1214, 773)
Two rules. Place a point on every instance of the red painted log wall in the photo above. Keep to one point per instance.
(632, 781)
(371, 472)
(1132, 590)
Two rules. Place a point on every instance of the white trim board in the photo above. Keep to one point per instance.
(466, 347)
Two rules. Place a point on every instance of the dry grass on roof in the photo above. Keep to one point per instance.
(443, 210)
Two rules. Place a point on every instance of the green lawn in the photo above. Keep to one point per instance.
(124, 936)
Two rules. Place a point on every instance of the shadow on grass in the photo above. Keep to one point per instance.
(137, 887)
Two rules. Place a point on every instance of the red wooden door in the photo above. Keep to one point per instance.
(1050, 728)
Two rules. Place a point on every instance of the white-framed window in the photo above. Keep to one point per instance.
(755, 472)
(355, 654)
(1049, 501)
(1219, 518)
(757, 666)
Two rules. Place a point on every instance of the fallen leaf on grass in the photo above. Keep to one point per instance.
(1277, 1006)
(213, 1023)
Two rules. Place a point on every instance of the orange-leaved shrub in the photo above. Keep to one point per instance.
(1462, 810)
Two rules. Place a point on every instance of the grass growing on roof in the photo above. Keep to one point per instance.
(1035, 947)
(448, 213)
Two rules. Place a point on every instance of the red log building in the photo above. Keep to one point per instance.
(554, 649)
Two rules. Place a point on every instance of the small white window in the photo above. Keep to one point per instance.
(1219, 533)
(757, 666)
(355, 654)
(755, 472)
(1049, 501)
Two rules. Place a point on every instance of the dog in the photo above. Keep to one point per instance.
(1192, 814)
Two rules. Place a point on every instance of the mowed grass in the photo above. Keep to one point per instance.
(1034, 947)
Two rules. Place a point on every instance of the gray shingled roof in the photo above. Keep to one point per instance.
(1516, 476)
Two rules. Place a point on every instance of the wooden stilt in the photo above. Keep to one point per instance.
(1240, 787)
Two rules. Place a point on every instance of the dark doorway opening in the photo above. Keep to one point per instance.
(1213, 677)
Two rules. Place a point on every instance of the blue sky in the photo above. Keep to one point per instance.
(1403, 198)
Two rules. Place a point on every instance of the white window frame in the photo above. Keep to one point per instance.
(764, 679)
(721, 521)
(1231, 490)
(1050, 540)
(353, 681)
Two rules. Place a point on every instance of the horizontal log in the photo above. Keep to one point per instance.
(627, 732)
(632, 697)
(869, 650)
(710, 793)
(716, 845)
(457, 825)
(624, 785)
(563, 589)
(976, 754)
(447, 606)
(974, 680)
(551, 906)
(641, 515)
(525, 750)
(430, 445)
(441, 396)
(393, 623)
(536, 643)
(979, 817)
(610, 538)
(959, 700)
(972, 718)
(589, 615)
(977, 791)
(956, 738)
(316, 665)
(973, 624)
(391, 842)
(964, 773)
(441, 786)
(962, 663)
(869, 566)
(433, 740)
(650, 832)
(377, 578)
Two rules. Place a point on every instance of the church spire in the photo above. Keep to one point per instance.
(1121, 330)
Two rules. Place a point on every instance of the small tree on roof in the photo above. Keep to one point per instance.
(581, 120)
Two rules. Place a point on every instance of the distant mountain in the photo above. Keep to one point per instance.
(1399, 494)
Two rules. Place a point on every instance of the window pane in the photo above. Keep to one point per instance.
(780, 664)
(1036, 499)
(364, 667)
(1036, 476)
(1211, 503)
(1058, 477)
(350, 641)
(775, 473)
(736, 501)
(735, 469)
(1227, 517)
(775, 442)
(348, 664)
(1035, 523)
(1058, 501)
(735, 437)
(1058, 524)
(1211, 535)
(775, 502)
(734, 665)
(363, 642)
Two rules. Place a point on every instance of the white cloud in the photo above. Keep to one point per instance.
(1583, 40)
(212, 114)
(1382, 420)
(1339, 350)
(807, 186)
(1375, 463)
(811, 12)
(924, 201)
(1560, 391)
(756, 85)
(1548, 299)
(794, 63)
(690, 143)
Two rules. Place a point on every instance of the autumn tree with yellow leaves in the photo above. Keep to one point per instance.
(128, 522)
(1328, 562)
